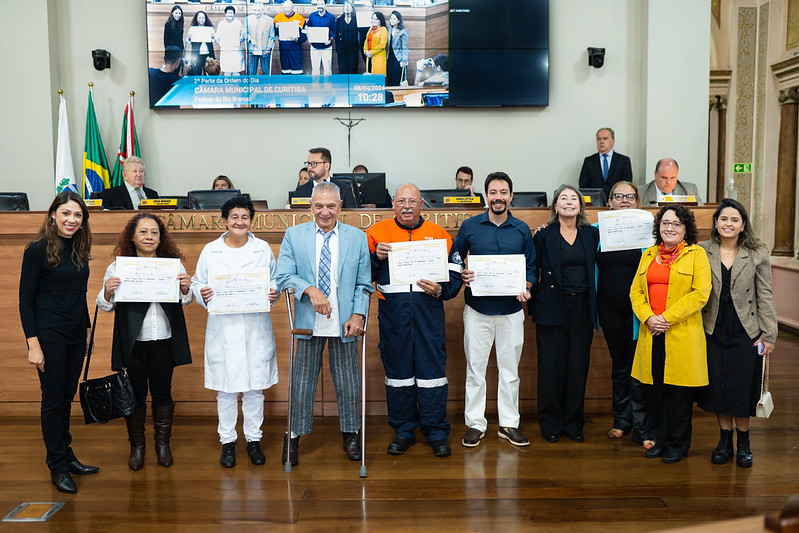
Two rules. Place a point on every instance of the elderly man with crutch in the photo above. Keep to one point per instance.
(327, 264)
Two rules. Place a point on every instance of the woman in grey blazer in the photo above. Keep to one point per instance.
(741, 326)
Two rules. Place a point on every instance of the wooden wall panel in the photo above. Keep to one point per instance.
(19, 393)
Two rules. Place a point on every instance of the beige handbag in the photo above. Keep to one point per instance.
(766, 404)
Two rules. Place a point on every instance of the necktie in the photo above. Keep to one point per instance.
(140, 193)
(605, 167)
(324, 264)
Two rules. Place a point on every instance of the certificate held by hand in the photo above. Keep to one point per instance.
(498, 275)
(288, 30)
(408, 262)
(239, 292)
(625, 229)
(147, 279)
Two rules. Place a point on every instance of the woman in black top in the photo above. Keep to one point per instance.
(150, 339)
(348, 43)
(563, 309)
(173, 29)
(616, 271)
(55, 318)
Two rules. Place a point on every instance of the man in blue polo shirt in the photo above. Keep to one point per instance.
(496, 320)
(322, 52)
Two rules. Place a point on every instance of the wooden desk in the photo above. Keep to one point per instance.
(20, 395)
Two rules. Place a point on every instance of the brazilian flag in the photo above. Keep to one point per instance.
(95, 165)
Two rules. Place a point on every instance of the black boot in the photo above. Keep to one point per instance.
(162, 424)
(135, 423)
(724, 451)
(744, 456)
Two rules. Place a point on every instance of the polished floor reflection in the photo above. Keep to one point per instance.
(597, 485)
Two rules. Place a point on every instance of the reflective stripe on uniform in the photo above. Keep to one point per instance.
(431, 383)
(400, 382)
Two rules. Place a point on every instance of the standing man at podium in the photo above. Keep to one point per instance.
(604, 168)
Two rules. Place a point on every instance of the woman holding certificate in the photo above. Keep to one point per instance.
(563, 309)
(671, 286)
(615, 273)
(150, 337)
(239, 341)
(741, 327)
(55, 318)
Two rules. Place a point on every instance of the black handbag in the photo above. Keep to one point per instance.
(107, 398)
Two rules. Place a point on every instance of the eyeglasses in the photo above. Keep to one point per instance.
(407, 201)
(666, 223)
(313, 164)
(619, 197)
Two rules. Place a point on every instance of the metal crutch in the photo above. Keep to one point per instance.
(292, 333)
(363, 389)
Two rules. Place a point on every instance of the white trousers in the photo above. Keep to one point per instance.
(479, 333)
(252, 409)
(325, 57)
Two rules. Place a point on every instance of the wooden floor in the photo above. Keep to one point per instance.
(598, 485)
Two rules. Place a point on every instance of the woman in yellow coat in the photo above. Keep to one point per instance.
(374, 45)
(670, 289)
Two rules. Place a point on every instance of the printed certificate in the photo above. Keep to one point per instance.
(239, 292)
(147, 279)
(318, 35)
(288, 30)
(625, 229)
(408, 262)
(498, 275)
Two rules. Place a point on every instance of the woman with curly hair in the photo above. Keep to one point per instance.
(201, 49)
(55, 318)
(150, 338)
(670, 288)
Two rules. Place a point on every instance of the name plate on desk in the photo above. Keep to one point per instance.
(677, 198)
(159, 203)
(300, 202)
(467, 200)
(96, 203)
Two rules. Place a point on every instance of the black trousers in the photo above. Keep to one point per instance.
(629, 395)
(154, 371)
(672, 406)
(59, 382)
(564, 355)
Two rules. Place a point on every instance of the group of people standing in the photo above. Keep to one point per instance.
(652, 305)
(383, 46)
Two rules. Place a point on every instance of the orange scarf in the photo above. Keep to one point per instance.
(667, 257)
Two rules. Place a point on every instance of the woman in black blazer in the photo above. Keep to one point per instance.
(563, 309)
(55, 318)
(150, 339)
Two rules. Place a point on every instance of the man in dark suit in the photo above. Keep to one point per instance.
(132, 192)
(464, 178)
(318, 166)
(606, 167)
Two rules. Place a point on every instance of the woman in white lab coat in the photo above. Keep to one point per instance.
(239, 348)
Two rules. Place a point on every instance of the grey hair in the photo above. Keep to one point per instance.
(612, 133)
(131, 160)
(324, 187)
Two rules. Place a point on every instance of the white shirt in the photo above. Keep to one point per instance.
(135, 199)
(323, 326)
(156, 324)
(602, 159)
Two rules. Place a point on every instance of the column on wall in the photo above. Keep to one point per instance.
(787, 73)
(719, 93)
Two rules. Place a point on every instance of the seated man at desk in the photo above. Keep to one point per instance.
(130, 194)
(464, 177)
(666, 183)
(318, 168)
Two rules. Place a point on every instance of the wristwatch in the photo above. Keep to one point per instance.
(438, 294)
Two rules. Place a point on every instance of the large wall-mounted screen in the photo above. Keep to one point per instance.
(312, 54)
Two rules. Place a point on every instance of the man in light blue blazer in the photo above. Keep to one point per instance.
(327, 263)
